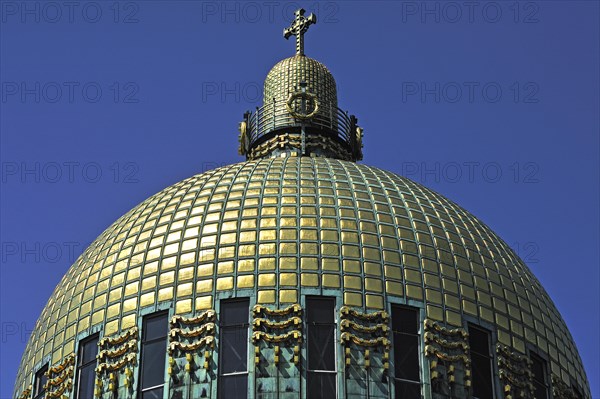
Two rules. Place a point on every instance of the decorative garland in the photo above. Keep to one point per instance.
(514, 381)
(432, 337)
(515, 372)
(69, 361)
(259, 309)
(187, 341)
(60, 378)
(129, 359)
(433, 325)
(206, 341)
(380, 315)
(511, 367)
(196, 332)
(349, 324)
(296, 321)
(263, 327)
(347, 337)
(292, 335)
(130, 346)
(58, 393)
(560, 390)
(373, 336)
(209, 315)
(115, 354)
(433, 351)
(132, 333)
(26, 394)
(440, 342)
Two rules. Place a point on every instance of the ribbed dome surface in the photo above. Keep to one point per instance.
(285, 78)
(281, 226)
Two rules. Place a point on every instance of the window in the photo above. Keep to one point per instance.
(481, 363)
(320, 326)
(233, 356)
(577, 393)
(41, 379)
(153, 354)
(540, 384)
(86, 366)
(405, 330)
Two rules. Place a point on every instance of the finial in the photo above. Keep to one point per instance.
(298, 28)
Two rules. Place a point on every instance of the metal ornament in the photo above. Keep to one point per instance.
(298, 28)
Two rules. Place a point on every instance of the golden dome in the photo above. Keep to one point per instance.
(285, 78)
(278, 228)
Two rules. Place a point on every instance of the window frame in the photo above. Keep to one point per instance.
(334, 324)
(82, 343)
(544, 362)
(490, 356)
(417, 335)
(40, 380)
(223, 376)
(143, 342)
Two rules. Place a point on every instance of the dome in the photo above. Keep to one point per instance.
(285, 78)
(277, 229)
(299, 274)
(300, 113)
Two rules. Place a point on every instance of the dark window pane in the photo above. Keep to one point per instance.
(320, 333)
(233, 357)
(405, 326)
(407, 390)
(482, 376)
(539, 377)
(540, 391)
(233, 386)
(40, 381)
(155, 327)
(479, 341)
(234, 312)
(321, 350)
(405, 320)
(481, 363)
(234, 349)
(537, 367)
(88, 351)
(577, 392)
(85, 383)
(320, 310)
(156, 393)
(153, 363)
(406, 356)
(321, 385)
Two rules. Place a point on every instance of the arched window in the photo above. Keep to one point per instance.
(86, 368)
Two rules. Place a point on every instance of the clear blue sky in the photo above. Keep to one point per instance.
(493, 105)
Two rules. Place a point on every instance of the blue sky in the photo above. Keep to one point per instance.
(492, 104)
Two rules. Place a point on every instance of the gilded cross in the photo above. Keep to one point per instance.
(298, 28)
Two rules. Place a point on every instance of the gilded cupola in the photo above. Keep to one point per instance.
(300, 113)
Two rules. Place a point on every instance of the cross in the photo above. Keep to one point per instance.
(298, 28)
